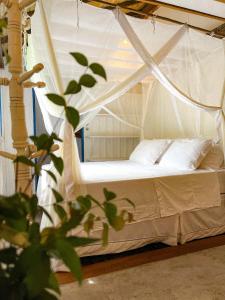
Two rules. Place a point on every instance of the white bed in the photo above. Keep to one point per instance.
(131, 179)
(145, 186)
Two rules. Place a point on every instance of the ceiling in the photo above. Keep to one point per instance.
(207, 15)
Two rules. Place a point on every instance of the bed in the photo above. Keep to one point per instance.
(196, 206)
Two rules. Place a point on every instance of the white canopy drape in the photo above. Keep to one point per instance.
(186, 72)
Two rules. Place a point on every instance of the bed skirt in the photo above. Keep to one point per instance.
(171, 231)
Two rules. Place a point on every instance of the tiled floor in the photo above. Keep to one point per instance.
(196, 276)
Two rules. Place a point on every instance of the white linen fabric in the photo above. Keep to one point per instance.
(214, 159)
(149, 151)
(186, 154)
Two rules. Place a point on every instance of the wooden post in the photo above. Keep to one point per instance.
(16, 84)
(19, 130)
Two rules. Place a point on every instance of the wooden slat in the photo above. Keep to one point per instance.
(108, 5)
(183, 9)
(220, 30)
(129, 261)
(157, 3)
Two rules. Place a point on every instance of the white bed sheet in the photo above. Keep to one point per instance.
(107, 171)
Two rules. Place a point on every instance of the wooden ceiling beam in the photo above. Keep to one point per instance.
(182, 9)
(111, 6)
(219, 30)
(149, 8)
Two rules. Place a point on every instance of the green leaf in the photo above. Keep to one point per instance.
(53, 283)
(60, 212)
(109, 195)
(98, 70)
(58, 163)
(110, 211)
(118, 223)
(72, 88)
(52, 175)
(105, 234)
(69, 257)
(34, 233)
(56, 99)
(76, 241)
(89, 223)
(3, 24)
(44, 211)
(12, 207)
(95, 201)
(13, 236)
(85, 203)
(32, 206)
(76, 216)
(55, 137)
(43, 142)
(24, 160)
(58, 196)
(87, 80)
(80, 58)
(35, 263)
(47, 236)
(72, 116)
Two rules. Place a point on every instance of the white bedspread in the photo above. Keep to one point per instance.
(156, 192)
(108, 171)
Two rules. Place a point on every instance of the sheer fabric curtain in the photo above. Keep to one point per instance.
(197, 66)
(192, 69)
(118, 44)
(99, 42)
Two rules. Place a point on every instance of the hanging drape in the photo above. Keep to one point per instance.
(174, 58)
(90, 109)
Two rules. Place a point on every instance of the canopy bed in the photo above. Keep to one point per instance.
(182, 75)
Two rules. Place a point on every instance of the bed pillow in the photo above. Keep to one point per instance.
(148, 151)
(186, 154)
(214, 159)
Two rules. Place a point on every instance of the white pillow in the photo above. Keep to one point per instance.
(214, 159)
(186, 154)
(148, 151)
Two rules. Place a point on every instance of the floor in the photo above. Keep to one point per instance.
(195, 276)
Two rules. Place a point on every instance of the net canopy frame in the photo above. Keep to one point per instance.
(182, 72)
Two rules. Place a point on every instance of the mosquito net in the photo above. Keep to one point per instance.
(181, 73)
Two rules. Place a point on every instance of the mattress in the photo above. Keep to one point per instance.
(109, 171)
